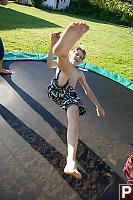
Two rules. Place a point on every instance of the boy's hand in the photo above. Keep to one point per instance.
(55, 37)
(100, 111)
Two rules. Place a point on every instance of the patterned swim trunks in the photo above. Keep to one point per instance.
(64, 96)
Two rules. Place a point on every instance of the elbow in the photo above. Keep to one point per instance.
(49, 66)
(88, 93)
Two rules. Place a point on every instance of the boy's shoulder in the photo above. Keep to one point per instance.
(78, 74)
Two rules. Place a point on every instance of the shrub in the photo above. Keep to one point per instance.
(116, 11)
(24, 2)
(37, 3)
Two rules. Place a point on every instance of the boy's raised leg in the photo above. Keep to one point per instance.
(71, 35)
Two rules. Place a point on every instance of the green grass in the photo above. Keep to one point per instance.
(29, 29)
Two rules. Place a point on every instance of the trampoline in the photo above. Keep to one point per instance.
(33, 136)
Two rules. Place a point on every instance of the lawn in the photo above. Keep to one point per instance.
(28, 29)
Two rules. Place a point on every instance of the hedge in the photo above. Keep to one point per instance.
(109, 10)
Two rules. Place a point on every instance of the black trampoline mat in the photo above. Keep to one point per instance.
(33, 137)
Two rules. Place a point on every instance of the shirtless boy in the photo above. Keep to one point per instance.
(61, 88)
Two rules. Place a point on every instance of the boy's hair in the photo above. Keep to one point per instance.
(79, 48)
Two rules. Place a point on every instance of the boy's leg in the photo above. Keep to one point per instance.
(4, 71)
(71, 35)
(72, 140)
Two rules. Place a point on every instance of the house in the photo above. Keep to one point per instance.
(56, 4)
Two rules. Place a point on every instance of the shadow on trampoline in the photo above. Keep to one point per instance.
(100, 174)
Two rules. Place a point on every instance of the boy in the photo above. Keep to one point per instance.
(61, 87)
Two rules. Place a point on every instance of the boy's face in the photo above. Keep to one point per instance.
(76, 57)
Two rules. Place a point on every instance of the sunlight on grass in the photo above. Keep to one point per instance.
(29, 29)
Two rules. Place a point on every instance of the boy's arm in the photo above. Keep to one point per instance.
(54, 38)
(91, 95)
(51, 63)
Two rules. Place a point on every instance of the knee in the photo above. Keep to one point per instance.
(73, 113)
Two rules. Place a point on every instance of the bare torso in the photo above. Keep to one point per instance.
(76, 74)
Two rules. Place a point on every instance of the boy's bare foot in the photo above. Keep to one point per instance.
(5, 71)
(72, 33)
(75, 173)
(71, 169)
(77, 28)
